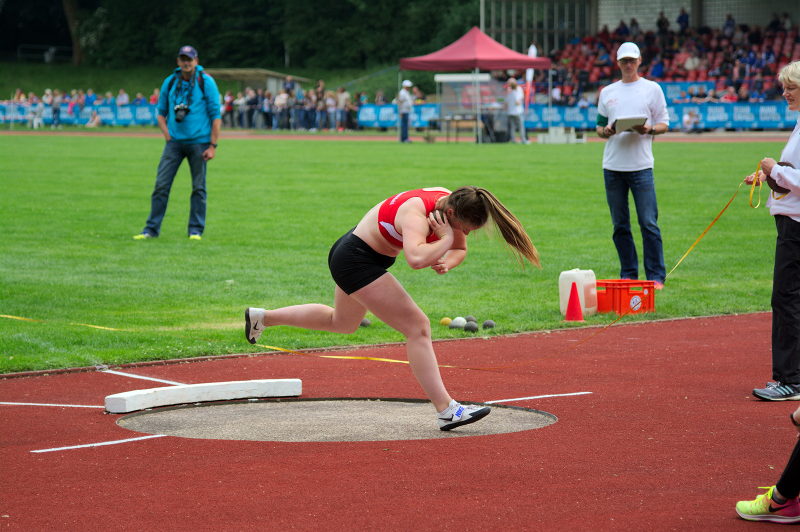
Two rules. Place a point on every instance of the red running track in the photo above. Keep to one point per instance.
(669, 439)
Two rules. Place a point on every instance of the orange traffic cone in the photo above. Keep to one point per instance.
(574, 310)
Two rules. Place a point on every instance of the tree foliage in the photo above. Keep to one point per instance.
(270, 33)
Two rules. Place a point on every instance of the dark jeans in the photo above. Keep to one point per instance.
(404, 126)
(642, 186)
(786, 302)
(171, 158)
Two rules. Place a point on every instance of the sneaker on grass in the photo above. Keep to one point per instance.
(457, 414)
(776, 391)
(143, 236)
(252, 324)
(765, 509)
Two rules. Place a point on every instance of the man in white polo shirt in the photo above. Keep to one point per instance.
(639, 106)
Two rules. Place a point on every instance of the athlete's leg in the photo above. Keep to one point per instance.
(389, 301)
(344, 317)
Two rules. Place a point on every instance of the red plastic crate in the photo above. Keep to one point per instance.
(625, 296)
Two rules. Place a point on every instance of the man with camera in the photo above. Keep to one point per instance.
(189, 118)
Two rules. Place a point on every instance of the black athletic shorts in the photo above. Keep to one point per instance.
(354, 264)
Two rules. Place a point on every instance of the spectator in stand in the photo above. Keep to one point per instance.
(109, 99)
(683, 21)
(94, 120)
(330, 107)
(58, 99)
(380, 99)
(154, 96)
(657, 68)
(691, 122)
(786, 22)
(757, 96)
(729, 28)
(240, 106)
(603, 58)
(342, 108)
(692, 62)
(140, 99)
(634, 28)
(281, 109)
(289, 84)
(310, 110)
(743, 94)
(622, 32)
(37, 110)
(729, 96)
(251, 102)
(662, 24)
(122, 98)
(227, 109)
(405, 104)
(682, 98)
(266, 110)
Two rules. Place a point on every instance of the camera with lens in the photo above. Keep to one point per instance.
(181, 110)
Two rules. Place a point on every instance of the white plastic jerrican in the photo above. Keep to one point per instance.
(587, 290)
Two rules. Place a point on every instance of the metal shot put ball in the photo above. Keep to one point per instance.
(471, 318)
(488, 324)
(458, 323)
(471, 326)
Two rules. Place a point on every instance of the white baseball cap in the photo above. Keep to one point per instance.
(407, 83)
(628, 49)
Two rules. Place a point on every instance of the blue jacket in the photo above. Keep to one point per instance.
(203, 108)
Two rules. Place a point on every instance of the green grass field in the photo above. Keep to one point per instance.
(70, 205)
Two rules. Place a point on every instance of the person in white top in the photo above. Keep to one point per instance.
(784, 205)
(628, 162)
(405, 104)
(515, 101)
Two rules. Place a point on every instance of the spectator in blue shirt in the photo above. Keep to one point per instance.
(189, 118)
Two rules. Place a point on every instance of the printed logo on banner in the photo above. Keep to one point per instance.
(743, 113)
(367, 114)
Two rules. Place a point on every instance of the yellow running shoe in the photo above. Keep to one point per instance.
(195, 236)
(143, 236)
(765, 509)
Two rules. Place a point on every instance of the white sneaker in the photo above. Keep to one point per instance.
(457, 414)
(253, 327)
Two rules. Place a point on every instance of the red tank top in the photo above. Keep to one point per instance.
(388, 212)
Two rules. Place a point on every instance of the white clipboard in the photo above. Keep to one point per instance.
(626, 124)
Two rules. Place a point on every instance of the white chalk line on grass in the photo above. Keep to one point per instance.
(50, 404)
(100, 444)
(536, 397)
(134, 376)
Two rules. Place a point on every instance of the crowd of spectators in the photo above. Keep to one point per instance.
(73, 103)
(739, 60)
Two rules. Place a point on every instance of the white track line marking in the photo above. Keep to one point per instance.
(536, 397)
(133, 376)
(115, 442)
(49, 404)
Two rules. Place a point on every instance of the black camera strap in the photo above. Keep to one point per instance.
(200, 81)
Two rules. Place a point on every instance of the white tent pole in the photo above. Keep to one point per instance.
(478, 120)
(399, 84)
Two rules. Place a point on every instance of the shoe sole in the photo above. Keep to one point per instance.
(479, 414)
(769, 518)
(247, 326)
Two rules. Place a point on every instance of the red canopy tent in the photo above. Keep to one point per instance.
(474, 51)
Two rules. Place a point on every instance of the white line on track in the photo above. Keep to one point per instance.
(49, 404)
(536, 397)
(115, 442)
(133, 376)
